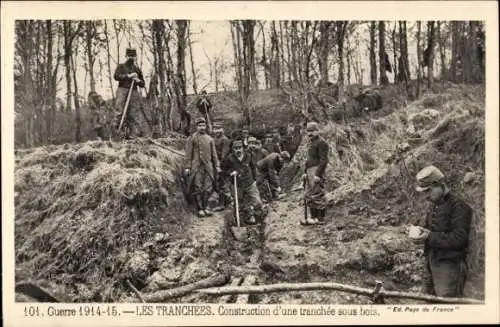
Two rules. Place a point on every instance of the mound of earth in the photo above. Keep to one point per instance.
(90, 216)
(371, 180)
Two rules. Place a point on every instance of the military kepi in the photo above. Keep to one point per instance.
(312, 127)
(200, 120)
(427, 177)
(131, 52)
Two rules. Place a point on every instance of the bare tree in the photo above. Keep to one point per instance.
(193, 71)
(373, 57)
(431, 35)
(383, 59)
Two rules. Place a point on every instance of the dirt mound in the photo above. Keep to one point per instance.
(82, 210)
(373, 164)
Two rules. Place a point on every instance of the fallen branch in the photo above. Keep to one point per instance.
(160, 296)
(287, 287)
(166, 147)
(35, 291)
(135, 290)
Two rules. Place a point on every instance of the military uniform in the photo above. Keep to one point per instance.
(131, 125)
(315, 166)
(259, 153)
(202, 161)
(448, 222)
(248, 194)
(223, 148)
(270, 167)
(99, 115)
(204, 106)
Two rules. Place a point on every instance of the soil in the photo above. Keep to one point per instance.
(370, 193)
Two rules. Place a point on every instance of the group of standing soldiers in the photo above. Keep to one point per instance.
(217, 165)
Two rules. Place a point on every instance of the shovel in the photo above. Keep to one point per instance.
(126, 106)
(240, 233)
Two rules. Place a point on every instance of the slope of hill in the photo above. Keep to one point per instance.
(91, 216)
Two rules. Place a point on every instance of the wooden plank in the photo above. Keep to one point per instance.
(249, 281)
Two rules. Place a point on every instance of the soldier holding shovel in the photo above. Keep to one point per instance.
(240, 166)
(317, 160)
(128, 99)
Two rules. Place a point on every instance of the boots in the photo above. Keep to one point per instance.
(199, 205)
(206, 210)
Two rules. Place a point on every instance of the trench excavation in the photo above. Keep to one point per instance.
(94, 218)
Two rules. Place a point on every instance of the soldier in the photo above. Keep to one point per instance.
(99, 115)
(201, 166)
(445, 235)
(271, 144)
(204, 106)
(245, 135)
(270, 167)
(277, 141)
(223, 148)
(317, 160)
(240, 163)
(126, 73)
(259, 153)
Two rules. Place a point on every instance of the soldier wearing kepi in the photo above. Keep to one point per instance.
(240, 163)
(223, 148)
(317, 160)
(126, 74)
(204, 106)
(270, 168)
(259, 153)
(202, 165)
(445, 235)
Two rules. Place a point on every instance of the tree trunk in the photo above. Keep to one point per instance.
(373, 57)
(455, 41)
(430, 47)
(193, 71)
(276, 67)
(323, 50)
(51, 99)
(381, 54)
(419, 58)
(181, 66)
(394, 51)
(442, 54)
(78, 115)
(89, 36)
(67, 61)
(340, 28)
(108, 53)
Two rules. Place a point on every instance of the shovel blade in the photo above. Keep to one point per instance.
(239, 233)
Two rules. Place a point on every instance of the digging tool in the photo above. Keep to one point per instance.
(209, 123)
(239, 232)
(305, 200)
(126, 106)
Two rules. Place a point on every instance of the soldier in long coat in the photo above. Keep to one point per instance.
(204, 106)
(125, 74)
(317, 160)
(223, 148)
(202, 165)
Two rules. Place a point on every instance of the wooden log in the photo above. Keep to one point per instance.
(235, 282)
(215, 280)
(166, 147)
(249, 281)
(135, 290)
(290, 287)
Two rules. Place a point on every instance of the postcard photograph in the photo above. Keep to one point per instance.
(249, 162)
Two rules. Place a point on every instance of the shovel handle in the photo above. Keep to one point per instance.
(126, 106)
(237, 209)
